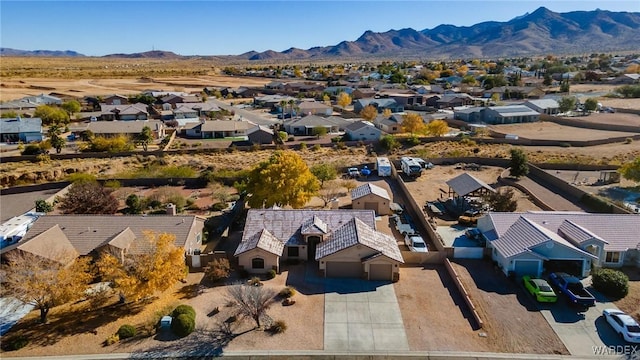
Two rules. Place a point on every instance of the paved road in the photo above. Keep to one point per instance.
(362, 316)
(584, 334)
(246, 115)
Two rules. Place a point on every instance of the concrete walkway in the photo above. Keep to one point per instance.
(362, 316)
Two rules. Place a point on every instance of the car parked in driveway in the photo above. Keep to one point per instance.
(623, 324)
(539, 289)
(415, 243)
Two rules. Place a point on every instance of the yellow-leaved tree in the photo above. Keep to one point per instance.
(437, 127)
(413, 123)
(386, 113)
(284, 179)
(344, 100)
(154, 266)
(45, 282)
(369, 113)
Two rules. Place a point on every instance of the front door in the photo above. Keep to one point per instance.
(312, 243)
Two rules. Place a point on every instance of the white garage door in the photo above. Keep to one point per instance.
(344, 269)
(380, 272)
(526, 267)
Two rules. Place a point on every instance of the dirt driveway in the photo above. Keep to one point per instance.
(513, 321)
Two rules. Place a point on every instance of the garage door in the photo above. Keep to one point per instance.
(344, 269)
(526, 267)
(380, 272)
(371, 206)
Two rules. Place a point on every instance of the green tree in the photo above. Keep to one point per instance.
(567, 103)
(324, 172)
(56, 140)
(502, 200)
(144, 138)
(9, 115)
(518, 166)
(134, 204)
(43, 207)
(51, 115)
(284, 179)
(389, 143)
(547, 80)
(71, 107)
(590, 104)
(631, 170)
(564, 86)
(142, 98)
(319, 131)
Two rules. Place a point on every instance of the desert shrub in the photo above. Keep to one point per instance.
(316, 147)
(112, 339)
(611, 282)
(255, 147)
(184, 309)
(218, 206)
(278, 327)
(412, 140)
(287, 292)
(255, 281)
(126, 331)
(271, 274)
(32, 149)
(81, 177)
(628, 140)
(303, 146)
(112, 184)
(15, 343)
(218, 269)
(183, 325)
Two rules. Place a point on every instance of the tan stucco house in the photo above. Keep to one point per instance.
(338, 239)
(371, 197)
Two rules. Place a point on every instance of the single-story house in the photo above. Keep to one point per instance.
(509, 114)
(371, 197)
(402, 97)
(174, 99)
(306, 124)
(18, 105)
(129, 128)
(544, 106)
(219, 129)
(450, 101)
(514, 92)
(201, 109)
(362, 130)
(260, 135)
(43, 99)
(13, 130)
(380, 104)
(83, 235)
(137, 111)
(627, 79)
(314, 108)
(344, 242)
(390, 125)
(532, 242)
(115, 99)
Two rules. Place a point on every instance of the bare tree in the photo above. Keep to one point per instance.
(330, 190)
(45, 282)
(252, 301)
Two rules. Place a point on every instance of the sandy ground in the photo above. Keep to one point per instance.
(545, 130)
(513, 323)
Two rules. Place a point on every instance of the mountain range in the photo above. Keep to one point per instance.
(538, 33)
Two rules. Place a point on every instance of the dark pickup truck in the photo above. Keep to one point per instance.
(572, 288)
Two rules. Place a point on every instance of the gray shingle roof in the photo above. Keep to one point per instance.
(514, 110)
(543, 103)
(576, 234)
(620, 231)
(367, 189)
(20, 125)
(465, 183)
(357, 232)
(263, 240)
(355, 126)
(87, 232)
(225, 125)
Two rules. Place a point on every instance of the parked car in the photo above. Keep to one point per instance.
(539, 289)
(353, 172)
(572, 288)
(472, 233)
(415, 243)
(623, 324)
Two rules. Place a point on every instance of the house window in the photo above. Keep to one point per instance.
(257, 263)
(612, 257)
(293, 251)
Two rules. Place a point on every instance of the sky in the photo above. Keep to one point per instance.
(211, 27)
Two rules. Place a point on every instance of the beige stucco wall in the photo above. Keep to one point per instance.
(270, 261)
(355, 253)
(302, 253)
(383, 207)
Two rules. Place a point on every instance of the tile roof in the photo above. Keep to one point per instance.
(87, 232)
(465, 183)
(51, 244)
(124, 108)
(315, 225)
(367, 189)
(20, 125)
(122, 126)
(620, 231)
(225, 125)
(286, 225)
(355, 126)
(263, 240)
(576, 234)
(357, 232)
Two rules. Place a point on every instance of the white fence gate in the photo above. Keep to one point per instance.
(468, 252)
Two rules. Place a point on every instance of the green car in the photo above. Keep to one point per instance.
(540, 289)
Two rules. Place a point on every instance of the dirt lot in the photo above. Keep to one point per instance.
(631, 303)
(65, 336)
(545, 130)
(513, 323)
(434, 314)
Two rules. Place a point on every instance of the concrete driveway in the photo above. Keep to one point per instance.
(362, 316)
(587, 333)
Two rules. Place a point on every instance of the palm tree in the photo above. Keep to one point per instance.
(283, 104)
(291, 103)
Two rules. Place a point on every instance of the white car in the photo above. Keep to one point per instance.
(415, 243)
(623, 324)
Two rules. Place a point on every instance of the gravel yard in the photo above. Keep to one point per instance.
(513, 323)
(544, 130)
